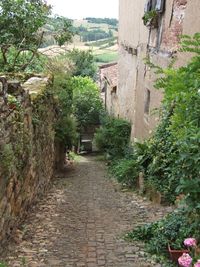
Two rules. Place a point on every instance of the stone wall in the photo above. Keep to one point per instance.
(27, 115)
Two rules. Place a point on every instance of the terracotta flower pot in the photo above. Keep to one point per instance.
(175, 254)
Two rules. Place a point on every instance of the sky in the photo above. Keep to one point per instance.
(78, 9)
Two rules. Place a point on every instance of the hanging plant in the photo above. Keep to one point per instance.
(150, 18)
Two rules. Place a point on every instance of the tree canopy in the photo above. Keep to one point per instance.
(84, 63)
(22, 32)
(20, 22)
(86, 101)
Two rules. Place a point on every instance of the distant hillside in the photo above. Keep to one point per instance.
(113, 22)
(98, 34)
(94, 29)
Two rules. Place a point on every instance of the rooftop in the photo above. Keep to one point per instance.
(110, 73)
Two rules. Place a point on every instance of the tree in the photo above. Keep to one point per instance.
(61, 29)
(22, 32)
(86, 101)
(20, 21)
(84, 63)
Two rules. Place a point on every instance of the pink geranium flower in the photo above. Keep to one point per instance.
(185, 260)
(190, 242)
(197, 264)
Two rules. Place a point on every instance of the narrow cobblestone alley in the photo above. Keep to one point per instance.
(81, 222)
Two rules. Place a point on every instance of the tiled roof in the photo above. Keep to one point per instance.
(110, 73)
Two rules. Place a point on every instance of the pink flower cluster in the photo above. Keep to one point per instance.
(185, 260)
(190, 242)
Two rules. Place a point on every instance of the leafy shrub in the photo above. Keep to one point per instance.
(84, 63)
(127, 170)
(172, 230)
(190, 171)
(163, 153)
(66, 125)
(113, 136)
(87, 104)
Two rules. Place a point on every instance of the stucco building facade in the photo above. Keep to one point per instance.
(158, 40)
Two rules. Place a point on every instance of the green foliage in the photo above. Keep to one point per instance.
(189, 162)
(7, 158)
(19, 22)
(135, 160)
(66, 124)
(181, 88)
(190, 44)
(3, 264)
(126, 171)
(78, 98)
(83, 62)
(59, 66)
(63, 31)
(22, 33)
(172, 230)
(86, 101)
(113, 136)
(149, 17)
(12, 100)
(162, 150)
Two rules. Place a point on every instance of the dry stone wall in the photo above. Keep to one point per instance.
(27, 116)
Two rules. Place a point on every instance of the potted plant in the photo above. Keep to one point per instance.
(150, 18)
(186, 257)
(175, 254)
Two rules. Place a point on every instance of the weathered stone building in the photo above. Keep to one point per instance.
(165, 21)
(108, 85)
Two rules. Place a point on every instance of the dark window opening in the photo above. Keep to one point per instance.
(147, 102)
(160, 5)
(157, 5)
(114, 90)
(104, 87)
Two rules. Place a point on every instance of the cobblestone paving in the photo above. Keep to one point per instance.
(81, 222)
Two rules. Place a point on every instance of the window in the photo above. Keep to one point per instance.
(157, 5)
(147, 7)
(114, 90)
(147, 102)
(160, 4)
